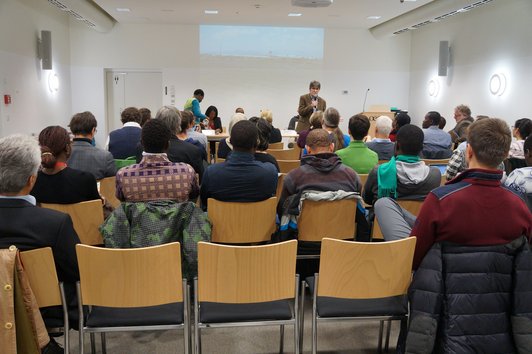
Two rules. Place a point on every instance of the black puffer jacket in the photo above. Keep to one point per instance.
(468, 299)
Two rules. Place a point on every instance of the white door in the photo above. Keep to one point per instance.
(132, 89)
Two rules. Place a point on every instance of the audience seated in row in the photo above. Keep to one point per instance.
(520, 180)
(225, 147)
(241, 178)
(187, 121)
(357, 155)
(405, 176)
(264, 129)
(316, 120)
(58, 183)
(85, 156)
(521, 130)
(463, 118)
(331, 120)
(275, 136)
(156, 177)
(437, 143)
(381, 143)
(122, 143)
(400, 119)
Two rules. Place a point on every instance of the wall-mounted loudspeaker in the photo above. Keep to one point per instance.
(443, 59)
(45, 50)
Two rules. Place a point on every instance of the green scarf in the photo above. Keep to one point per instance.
(387, 175)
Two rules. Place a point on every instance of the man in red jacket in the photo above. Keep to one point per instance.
(472, 209)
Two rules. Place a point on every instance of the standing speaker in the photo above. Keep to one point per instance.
(46, 50)
(443, 59)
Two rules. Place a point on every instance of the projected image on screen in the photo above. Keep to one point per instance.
(261, 42)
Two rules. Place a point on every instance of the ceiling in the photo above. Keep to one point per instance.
(341, 14)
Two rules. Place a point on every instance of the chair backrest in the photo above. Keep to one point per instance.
(134, 277)
(436, 161)
(413, 206)
(363, 178)
(365, 270)
(288, 154)
(279, 145)
(40, 269)
(280, 183)
(334, 219)
(86, 217)
(246, 274)
(239, 222)
(286, 166)
(108, 190)
(119, 163)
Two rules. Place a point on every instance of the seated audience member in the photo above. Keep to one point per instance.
(405, 176)
(85, 156)
(315, 120)
(264, 128)
(123, 142)
(156, 177)
(224, 148)
(240, 178)
(178, 150)
(275, 136)
(145, 115)
(331, 120)
(399, 120)
(382, 144)
(28, 227)
(443, 123)
(462, 115)
(187, 119)
(239, 110)
(320, 170)
(213, 122)
(468, 210)
(437, 143)
(357, 155)
(58, 183)
(292, 123)
(191, 130)
(520, 180)
(521, 130)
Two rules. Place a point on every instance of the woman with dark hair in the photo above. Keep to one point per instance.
(399, 120)
(265, 130)
(56, 182)
(213, 121)
(521, 130)
(331, 120)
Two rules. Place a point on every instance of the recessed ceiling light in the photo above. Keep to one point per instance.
(122, 9)
(211, 12)
(294, 14)
(373, 17)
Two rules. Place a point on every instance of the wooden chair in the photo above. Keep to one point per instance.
(289, 154)
(246, 286)
(286, 166)
(436, 161)
(242, 223)
(86, 217)
(108, 190)
(340, 216)
(280, 182)
(40, 269)
(119, 284)
(276, 146)
(216, 146)
(360, 280)
(363, 178)
(413, 206)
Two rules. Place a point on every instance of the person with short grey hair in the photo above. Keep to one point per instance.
(171, 117)
(27, 226)
(382, 144)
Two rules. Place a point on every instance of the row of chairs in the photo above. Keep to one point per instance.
(143, 289)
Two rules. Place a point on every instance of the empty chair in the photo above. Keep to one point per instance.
(138, 289)
(246, 286)
(86, 218)
(40, 269)
(286, 166)
(359, 280)
(242, 222)
(289, 154)
(108, 190)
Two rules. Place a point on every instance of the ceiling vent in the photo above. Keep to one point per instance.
(86, 12)
(434, 11)
(312, 3)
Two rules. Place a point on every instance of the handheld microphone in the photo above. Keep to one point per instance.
(365, 98)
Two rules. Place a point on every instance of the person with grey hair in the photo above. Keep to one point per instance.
(382, 144)
(178, 150)
(27, 226)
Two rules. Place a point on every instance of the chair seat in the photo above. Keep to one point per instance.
(213, 312)
(337, 307)
(168, 314)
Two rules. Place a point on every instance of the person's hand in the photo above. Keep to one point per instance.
(314, 103)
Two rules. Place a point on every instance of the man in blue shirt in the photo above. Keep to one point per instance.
(240, 178)
(437, 143)
(192, 104)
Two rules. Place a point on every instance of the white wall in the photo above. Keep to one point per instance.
(353, 61)
(496, 37)
(33, 105)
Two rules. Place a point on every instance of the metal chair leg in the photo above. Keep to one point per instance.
(388, 330)
(197, 335)
(104, 343)
(381, 328)
(314, 347)
(281, 345)
(302, 316)
(93, 343)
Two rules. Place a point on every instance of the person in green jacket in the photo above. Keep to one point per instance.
(357, 155)
(192, 104)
